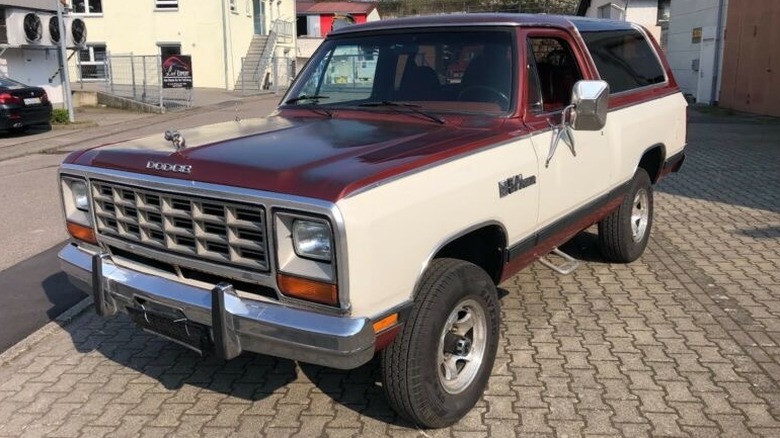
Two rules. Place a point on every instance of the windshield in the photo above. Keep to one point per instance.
(466, 71)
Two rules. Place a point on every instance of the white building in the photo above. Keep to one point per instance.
(695, 51)
(217, 34)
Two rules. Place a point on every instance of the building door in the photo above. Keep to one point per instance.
(258, 14)
(706, 66)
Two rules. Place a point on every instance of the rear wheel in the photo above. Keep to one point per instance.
(623, 235)
(437, 368)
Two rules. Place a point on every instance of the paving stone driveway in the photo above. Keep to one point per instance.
(684, 342)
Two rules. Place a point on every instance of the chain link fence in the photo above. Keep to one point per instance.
(136, 77)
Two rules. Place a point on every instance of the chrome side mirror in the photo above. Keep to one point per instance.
(590, 101)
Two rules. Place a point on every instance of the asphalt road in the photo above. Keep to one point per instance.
(33, 289)
(34, 292)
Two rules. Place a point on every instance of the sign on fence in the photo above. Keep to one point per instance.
(177, 71)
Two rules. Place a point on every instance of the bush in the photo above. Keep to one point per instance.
(60, 116)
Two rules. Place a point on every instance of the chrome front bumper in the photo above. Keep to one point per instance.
(237, 324)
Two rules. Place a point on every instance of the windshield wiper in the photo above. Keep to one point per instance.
(412, 107)
(304, 97)
(315, 99)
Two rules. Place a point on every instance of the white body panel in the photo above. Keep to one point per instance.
(635, 129)
(572, 179)
(394, 229)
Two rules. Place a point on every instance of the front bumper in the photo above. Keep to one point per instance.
(236, 324)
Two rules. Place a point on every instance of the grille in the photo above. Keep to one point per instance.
(212, 230)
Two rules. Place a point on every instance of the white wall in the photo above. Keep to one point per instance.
(681, 52)
(135, 26)
(34, 67)
(644, 12)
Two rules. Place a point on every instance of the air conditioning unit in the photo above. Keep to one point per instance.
(75, 33)
(53, 27)
(27, 28)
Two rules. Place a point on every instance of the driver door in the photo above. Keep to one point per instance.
(572, 174)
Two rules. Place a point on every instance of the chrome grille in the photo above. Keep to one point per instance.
(228, 233)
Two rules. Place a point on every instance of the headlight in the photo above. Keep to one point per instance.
(75, 201)
(312, 239)
(306, 258)
(80, 198)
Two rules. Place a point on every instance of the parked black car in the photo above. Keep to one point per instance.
(22, 105)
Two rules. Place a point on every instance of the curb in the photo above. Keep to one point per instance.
(51, 327)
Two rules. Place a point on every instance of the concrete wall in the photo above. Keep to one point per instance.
(686, 56)
(34, 67)
(644, 12)
(135, 26)
(46, 5)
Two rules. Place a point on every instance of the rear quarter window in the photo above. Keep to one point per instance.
(624, 59)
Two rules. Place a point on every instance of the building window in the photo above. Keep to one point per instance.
(612, 11)
(168, 49)
(166, 4)
(233, 7)
(3, 28)
(664, 10)
(92, 62)
(87, 7)
(308, 26)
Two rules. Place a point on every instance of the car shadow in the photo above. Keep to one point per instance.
(585, 247)
(252, 377)
(28, 131)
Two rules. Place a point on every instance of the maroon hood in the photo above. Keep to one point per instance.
(314, 157)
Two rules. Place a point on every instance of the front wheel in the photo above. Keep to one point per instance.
(623, 235)
(437, 368)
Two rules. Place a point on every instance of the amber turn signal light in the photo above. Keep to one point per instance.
(81, 232)
(386, 322)
(309, 290)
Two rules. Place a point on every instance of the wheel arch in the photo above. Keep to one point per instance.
(482, 244)
(653, 161)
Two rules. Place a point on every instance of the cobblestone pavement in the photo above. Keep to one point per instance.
(683, 342)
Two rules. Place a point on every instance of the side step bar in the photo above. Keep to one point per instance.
(568, 265)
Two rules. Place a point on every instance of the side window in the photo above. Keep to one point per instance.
(534, 99)
(624, 59)
(556, 71)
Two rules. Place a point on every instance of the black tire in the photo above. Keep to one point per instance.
(620, 240)
(413, 374)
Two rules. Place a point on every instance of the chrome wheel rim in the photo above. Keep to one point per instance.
(640, 215)
(462, 346)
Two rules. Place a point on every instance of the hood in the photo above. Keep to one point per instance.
(313, 157)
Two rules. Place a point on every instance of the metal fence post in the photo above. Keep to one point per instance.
(132, 75)
(109, 72)
(143, 63)
(78, 68)
(159, 64)
(275, 62)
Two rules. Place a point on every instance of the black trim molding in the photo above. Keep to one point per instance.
(565, 223)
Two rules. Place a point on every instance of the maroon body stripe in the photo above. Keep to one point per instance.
(316, 157)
